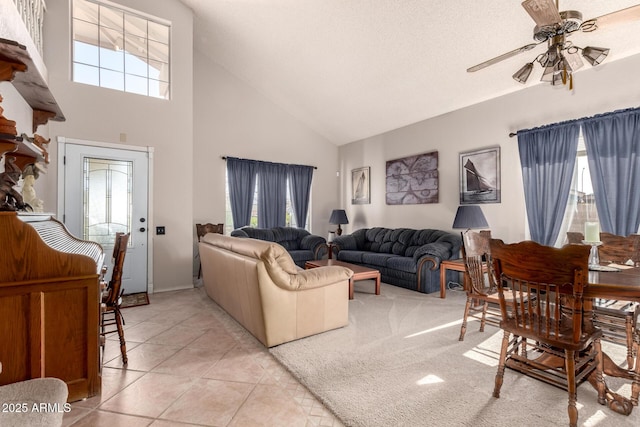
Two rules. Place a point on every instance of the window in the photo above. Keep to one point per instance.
(108, 198)
(581, 206)
(120, 49)
(228, 222)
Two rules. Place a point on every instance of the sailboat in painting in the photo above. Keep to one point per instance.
(475, 182)
(479, 189)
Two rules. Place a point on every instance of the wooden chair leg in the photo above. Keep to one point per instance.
(483, 321)
(463, 328)
(635, 386)
(123, 344)
(570, 366)
(628, 326)
(601, 386)
(501, 364)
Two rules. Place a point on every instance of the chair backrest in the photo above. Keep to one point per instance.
(545, 286)
(614, 248)
(115, 284)
(476, 252)
(202, 229)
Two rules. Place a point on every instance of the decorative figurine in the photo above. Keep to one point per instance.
(10, 198)
(29, 176)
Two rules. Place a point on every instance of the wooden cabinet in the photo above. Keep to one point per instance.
(49, 299)
(49, 311)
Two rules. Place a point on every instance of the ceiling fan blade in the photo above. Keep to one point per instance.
(502, 57)
(614, 18)
(543, 12)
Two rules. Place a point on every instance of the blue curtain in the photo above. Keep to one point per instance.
(272, 195)
(300, 186)
(547, 157)
(613, 145)
(242, 183)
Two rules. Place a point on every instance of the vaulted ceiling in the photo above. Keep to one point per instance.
(351, 69)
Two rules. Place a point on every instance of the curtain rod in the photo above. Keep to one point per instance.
(512, 134)
(225, 158)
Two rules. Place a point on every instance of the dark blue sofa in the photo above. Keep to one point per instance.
(405, 257)
(301, 245)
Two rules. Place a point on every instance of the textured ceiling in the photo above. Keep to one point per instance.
(351, 69)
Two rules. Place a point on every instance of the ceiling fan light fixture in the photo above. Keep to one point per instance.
(550, 71)
(559, 79)
(573, 61)
(595, 55)
(523, 73)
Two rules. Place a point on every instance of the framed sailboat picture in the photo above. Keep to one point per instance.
(360, 186)
(480, 176)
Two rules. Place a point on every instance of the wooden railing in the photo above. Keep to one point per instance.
(32, 13)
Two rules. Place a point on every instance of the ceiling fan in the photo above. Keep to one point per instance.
(553, 26)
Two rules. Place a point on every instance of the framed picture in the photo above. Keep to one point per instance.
(413, 180)
(360, 186)
(480, 176)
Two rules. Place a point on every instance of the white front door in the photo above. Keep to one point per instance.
(106, 191)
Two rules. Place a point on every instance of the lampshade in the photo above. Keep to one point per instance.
(595, 55)
(523, 73)
(469, 216)
(338, 216)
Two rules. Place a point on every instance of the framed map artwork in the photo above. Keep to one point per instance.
(412, 180)
(360, 186)
(480, 176)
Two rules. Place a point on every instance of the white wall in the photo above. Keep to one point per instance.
(232, 119)
(610, 86)
(99, 114)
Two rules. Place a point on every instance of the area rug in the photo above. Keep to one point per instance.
(134, 300)
(399, 363)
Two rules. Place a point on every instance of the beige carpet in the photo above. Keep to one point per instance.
(399, 363)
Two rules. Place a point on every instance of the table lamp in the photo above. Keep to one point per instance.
(469, 216)
(338, 216)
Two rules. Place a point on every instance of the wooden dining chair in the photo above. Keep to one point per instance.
(112, 298)
(618, 319)
(202, 229)
(563, 347)
(482, 292)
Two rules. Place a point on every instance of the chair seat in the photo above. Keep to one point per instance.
(563, 336)
(618, 321)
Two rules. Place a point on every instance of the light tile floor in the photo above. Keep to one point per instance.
(191, 364)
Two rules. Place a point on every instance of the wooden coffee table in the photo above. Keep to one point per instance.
(359, 272)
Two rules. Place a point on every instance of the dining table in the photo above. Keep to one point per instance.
(619, 284)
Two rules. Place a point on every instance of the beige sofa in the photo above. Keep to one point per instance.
(36, 402)
(259, 285)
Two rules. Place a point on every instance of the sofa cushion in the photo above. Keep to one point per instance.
(289, 237)
(373, 258)
(354, 257)
(402, 263)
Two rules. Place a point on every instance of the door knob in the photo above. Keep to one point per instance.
(143, 229)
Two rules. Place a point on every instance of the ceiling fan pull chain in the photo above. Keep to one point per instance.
(571, 81)
(564, 73)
